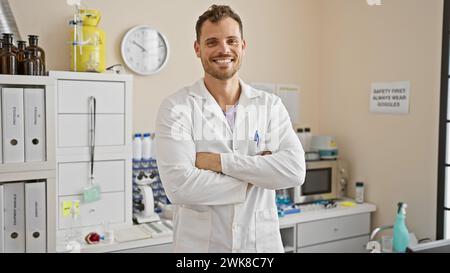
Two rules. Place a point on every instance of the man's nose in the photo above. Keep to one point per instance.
(224, 48)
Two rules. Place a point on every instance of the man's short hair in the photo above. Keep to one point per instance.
(214, 14)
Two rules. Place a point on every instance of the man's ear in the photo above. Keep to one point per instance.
(197, 49)
(244, 47)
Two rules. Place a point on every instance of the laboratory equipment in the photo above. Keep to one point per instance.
(144, 207)
(325, 180)
(88, 45)
(326, 146)
(312, 156)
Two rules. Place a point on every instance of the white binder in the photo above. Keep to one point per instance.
(2, 221)
(35, 218)
(34, 101)
(14, 234)
(13, 128)
(1, 134)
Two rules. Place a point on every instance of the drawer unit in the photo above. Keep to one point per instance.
(73, 130)
(317, 232)
(113, 152)
(109, 209)
(352, 245)
(73, 176)
(73, 96)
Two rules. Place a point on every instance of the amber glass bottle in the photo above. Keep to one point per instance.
(29, 63)
(8, 59)
(38, 53)
(20, 56)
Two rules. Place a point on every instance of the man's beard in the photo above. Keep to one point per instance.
(221, 74)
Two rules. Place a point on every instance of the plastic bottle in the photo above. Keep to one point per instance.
(152, 145)
(146, 146)
(146, 152)
(359, 196)
(308, 138)
(300, 135)
(137, 152)
(401, 234)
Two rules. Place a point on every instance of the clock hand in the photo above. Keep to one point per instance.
(141, 47)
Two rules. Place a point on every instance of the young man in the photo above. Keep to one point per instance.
(223, 148)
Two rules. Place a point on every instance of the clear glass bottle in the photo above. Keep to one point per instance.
(8, 59)
(38, 52)
(21, 45)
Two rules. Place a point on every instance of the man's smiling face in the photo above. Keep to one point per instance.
(221, 48)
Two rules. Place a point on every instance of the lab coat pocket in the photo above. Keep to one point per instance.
(252, 147)
(268, 238)
(194, 230)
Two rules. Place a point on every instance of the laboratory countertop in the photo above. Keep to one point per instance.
(119, 246)
(316, 215)
(305, 215)
(116, 246)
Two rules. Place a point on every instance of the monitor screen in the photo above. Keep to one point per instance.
(317, 181)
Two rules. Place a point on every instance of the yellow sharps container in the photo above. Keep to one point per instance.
(89, 43)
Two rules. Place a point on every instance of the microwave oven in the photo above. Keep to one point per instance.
(324, 180)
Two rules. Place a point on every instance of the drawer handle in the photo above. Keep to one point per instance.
(335, 229)
(92, 210)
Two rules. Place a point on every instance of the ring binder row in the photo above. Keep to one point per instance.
(23, 217)
(22, 115)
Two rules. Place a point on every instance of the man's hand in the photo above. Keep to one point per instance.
(209, 161)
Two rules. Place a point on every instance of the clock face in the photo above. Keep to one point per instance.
(145, 50)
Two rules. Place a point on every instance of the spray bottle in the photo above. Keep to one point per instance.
(401, 234)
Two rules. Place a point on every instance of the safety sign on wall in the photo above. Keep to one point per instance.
(390, 98)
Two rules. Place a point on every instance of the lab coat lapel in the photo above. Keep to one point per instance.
(246, 116)
(211, 109)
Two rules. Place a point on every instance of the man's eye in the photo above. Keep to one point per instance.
(211, 43)
(233, 42)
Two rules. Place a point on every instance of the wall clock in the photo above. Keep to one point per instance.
(145, 50)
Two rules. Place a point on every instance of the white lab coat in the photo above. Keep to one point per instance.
(234, 211)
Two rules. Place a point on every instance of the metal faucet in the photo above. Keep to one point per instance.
(378, 230)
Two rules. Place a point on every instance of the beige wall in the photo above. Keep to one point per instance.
(395, 155)
(333, 49)
(282, 42)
